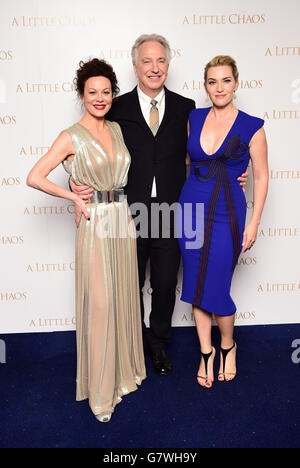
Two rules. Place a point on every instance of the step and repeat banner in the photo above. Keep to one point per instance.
(41, 44)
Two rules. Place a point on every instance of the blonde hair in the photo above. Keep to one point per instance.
(220, 60)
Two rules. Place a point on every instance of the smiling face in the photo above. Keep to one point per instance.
(151, 67)
(97, 96)
(220, 85)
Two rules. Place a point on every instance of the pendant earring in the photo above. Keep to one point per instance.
(234, 95)
(207, 98)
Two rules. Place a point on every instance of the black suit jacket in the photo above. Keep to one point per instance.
(162, 156)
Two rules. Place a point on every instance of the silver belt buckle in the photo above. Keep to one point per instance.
(118, 195)
(97, 197)
(105, 196)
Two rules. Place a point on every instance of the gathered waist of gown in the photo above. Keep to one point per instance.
(108, 196)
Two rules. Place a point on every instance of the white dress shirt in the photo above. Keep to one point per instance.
(145, 103)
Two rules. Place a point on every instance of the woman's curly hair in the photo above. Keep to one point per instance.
(95, 67)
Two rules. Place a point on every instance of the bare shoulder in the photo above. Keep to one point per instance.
(63, 143)
(259, 137)
(64, 137)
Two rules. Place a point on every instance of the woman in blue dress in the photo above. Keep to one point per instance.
(222, 139)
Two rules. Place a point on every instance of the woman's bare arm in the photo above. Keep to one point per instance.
(259, 158)
(61, 149)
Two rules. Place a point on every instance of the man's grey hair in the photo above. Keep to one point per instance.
(150, 37)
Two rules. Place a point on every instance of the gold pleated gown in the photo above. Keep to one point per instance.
(110, 359)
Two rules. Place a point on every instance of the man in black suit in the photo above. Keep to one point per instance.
(157, 174)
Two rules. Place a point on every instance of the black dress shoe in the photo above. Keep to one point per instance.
(161, 363)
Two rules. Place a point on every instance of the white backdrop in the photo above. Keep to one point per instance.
(41, 44)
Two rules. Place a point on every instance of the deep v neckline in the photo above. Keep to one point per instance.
(113, 142)
(224, 140)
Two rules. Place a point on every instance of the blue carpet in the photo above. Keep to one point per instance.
(259, 409)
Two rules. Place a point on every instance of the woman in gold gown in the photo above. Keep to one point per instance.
(110, 360)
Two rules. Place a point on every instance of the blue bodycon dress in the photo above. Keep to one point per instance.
(208, 269)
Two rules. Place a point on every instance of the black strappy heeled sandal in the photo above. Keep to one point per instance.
(206, 357)
(224, 356)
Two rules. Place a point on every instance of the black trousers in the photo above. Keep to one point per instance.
(164, 257)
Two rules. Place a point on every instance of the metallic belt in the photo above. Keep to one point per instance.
(108, 196)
